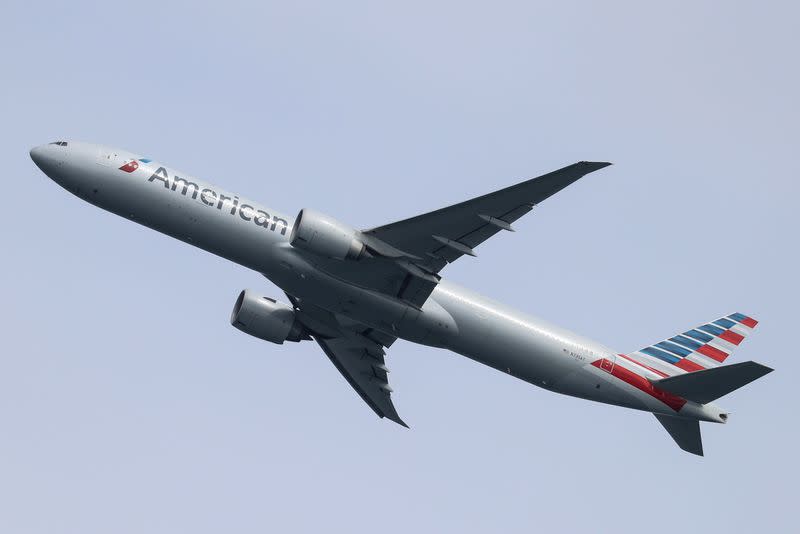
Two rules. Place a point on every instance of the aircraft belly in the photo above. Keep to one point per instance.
(516, 347)
(593, 383)
(299, 277)
(511, 353)
(589, 382)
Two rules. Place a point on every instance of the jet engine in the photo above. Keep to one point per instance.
(266, 319)
(325, 236)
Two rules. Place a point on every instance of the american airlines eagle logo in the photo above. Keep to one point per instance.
(132, 165)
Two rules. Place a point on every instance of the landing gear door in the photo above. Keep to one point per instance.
(607, 363)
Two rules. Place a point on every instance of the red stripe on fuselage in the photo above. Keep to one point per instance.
(731, 337)
(713, 353)
(641, 383)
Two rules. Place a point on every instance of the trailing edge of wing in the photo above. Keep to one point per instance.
(358, 355)
(362, 365)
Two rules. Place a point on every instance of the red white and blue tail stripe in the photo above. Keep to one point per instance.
(703, 347)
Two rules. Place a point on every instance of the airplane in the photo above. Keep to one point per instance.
(354, 292)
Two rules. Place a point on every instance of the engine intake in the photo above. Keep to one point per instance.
(325, 236)
(266, 319)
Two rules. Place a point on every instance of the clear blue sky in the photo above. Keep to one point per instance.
(128, 404)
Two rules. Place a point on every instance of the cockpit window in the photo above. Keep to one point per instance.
(59, 143)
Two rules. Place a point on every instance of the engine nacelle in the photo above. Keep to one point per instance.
(266, 318)
(325, 236)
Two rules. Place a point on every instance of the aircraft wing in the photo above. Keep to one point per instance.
(409, 254)
(357, 351)
(362, 365)
(442, 236)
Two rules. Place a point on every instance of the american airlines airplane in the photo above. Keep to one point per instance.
(354, 292)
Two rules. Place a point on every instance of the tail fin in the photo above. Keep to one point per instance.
(704, 347)
(685, 432)
(705, 386)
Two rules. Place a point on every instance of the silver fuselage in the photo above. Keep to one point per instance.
(257, 237)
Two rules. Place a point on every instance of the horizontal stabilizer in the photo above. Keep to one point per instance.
(685, 432)
(705, 386)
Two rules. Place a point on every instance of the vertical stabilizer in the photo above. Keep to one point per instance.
(685, 432)
(704, 347)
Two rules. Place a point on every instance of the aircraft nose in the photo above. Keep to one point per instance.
(38, 154)
(49, 157)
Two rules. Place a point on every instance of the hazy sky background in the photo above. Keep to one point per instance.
(128, 404)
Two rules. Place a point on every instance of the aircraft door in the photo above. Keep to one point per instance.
(607, 363)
